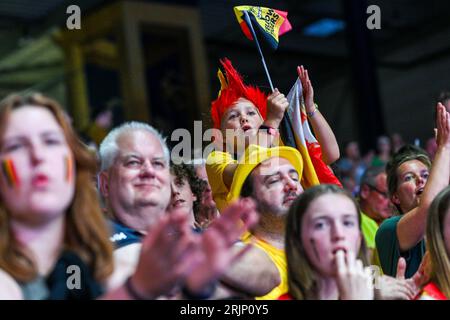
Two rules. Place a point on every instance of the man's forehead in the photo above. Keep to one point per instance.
(139, 142)
(273, 165)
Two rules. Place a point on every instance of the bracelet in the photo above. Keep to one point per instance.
(270, 131)
(205, 294)
(311, 114)
(132, 292)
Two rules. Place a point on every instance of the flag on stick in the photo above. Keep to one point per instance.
(271, 22)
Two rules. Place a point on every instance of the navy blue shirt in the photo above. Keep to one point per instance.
(123, 236)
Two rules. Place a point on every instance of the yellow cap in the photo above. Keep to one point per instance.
(253, 156)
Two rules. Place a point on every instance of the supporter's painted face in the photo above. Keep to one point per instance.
(139, 176)
(276, 185)
(412, 177)
(330, 224)
(446, 232)
(378, 199)
(182, 196)
(37, 180)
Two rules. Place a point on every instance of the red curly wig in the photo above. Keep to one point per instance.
(232, 89)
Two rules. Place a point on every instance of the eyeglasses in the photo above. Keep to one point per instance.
(384, 194)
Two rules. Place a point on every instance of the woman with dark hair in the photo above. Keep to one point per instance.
(412, 184)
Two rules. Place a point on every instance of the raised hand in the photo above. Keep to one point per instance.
(169, 252)
(277, 104)
(390, 288)
(353, 280)
(308, 91)
(216, 242)
(443, 126)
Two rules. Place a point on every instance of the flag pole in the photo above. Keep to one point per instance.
(249, 23)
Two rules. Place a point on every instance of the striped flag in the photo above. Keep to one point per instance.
(295, 131)
(10, 173)
(271, 22)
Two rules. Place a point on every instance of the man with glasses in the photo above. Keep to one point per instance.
(375, 205)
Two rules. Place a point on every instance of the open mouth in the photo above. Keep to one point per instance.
(419, 191)
(246, 127)
(335, 250)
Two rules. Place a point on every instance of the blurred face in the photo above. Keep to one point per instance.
(207, 199)
(412, 177)
(384, 145)
(276, 185)
(330, 224)
(182, 196)
(139, 177)
(352, 150)
(37, 181)
(377, 199)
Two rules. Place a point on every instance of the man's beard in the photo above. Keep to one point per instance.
(273, 210)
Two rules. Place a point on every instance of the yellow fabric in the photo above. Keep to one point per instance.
(253, 156)
(309, 177)
(262, 16)
(215, 166)
(278, 257)
(369, 229)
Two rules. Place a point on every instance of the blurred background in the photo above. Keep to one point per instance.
(156, 61)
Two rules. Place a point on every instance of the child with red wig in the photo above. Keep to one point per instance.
(246, 115)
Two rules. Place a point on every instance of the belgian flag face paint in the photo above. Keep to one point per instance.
(69, 168)
(10, 173)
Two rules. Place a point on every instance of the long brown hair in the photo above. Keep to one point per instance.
(440, 261)
(302, 278)
(86, 231)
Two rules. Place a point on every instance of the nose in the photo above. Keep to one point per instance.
(420, 181)
(290, 184)
(175, 190)
(36, 154)
(147, 170)
(337, 232)
(243, 119)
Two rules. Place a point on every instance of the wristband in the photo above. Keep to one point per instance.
(270, 131)
(311, 114)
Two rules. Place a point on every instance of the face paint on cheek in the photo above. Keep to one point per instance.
(69, 168)
(10, 173)
(313, 245)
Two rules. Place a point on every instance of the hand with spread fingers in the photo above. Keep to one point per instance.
(169, 253)
(216, 242)
(390, 288)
